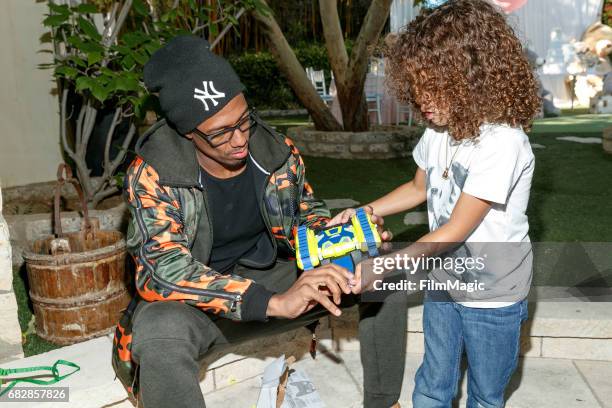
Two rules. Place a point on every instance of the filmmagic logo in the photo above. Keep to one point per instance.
(203, 95)
(428, 284)
(404, 262)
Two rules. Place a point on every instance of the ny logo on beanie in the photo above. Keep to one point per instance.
(202, 95)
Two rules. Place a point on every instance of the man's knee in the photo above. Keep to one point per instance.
(176, 322)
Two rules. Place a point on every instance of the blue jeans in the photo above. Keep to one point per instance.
(490, 338)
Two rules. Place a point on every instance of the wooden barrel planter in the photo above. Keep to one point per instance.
(77, 280)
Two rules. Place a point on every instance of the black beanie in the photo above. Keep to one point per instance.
(193, 83)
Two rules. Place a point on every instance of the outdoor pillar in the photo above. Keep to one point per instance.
(10, 332)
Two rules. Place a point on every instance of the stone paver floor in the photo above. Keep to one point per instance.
(538, 382)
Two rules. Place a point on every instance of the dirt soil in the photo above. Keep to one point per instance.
(43, 205)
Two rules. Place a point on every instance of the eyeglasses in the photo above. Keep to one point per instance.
(224, 135)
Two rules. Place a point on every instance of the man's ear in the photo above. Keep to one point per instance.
(189, 136)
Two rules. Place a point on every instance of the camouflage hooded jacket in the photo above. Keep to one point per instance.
(168, 204)
(170, 233)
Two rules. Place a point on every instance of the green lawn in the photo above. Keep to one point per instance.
(578, 125)
(571, 198)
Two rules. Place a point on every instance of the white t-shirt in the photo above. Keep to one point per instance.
(498, 167)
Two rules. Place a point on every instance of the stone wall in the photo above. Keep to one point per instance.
(381, 142)
(10, 332)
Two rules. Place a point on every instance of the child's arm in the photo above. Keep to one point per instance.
(403, 198)
(466, 216)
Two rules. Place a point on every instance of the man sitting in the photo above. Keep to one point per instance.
(215, 196)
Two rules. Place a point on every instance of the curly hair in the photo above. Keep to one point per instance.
(464, 57)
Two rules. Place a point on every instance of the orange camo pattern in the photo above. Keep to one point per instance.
(278, 232)
(166, 223)
(123, 344)
(214, 306)
(161, 209)
(159, 205)
(166, 243)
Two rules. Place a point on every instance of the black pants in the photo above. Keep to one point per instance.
(171, 338)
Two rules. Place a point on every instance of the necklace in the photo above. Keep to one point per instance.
(445, 173)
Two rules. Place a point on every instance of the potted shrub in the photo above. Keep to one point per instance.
(100, 48)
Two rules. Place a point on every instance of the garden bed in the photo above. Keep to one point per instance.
(381, 142)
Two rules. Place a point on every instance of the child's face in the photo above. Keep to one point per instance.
(435, 113)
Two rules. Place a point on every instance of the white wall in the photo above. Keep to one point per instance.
(29, 121)
(537, 19)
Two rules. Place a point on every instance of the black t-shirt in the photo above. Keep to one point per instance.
(236, 218)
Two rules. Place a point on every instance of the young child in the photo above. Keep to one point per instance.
(461, 65)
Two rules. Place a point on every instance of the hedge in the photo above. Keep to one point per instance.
(266, 86)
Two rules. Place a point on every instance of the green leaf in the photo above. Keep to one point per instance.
(140, 57)
(119, 177)
(126, 84)
(88, 28)
(78, 61)
(75, 41)
(91, 46)
(214, 30)
(152, 47)
(59, 9)
(93, 58)
(99, 92)
(68, 72)
(128, 62)
(107, 71)
(232, 19)
(86, 8)
(55, 20)
(260, 7)
(140, 8)
(83, 83)
(133, 39)
(121, 49)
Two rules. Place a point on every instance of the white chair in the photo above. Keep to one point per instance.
(402, 109)
(318, 81)
(309, 71)
(377, 66)
(374, 93)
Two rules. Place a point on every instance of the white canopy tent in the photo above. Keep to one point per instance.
(534, 23)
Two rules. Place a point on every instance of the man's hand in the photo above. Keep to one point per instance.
(313, 287)
(345, 216)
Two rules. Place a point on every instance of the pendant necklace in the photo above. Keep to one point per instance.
(445, 173)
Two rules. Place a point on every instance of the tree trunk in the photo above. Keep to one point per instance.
(293, 70)
(349, 73)
(351, 90)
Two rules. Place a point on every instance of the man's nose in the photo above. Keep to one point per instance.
(239, 138)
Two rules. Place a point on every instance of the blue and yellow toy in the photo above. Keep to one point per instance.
(345, 245)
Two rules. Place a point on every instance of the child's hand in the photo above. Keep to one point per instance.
(342, 217)
(345, 216)
(363, 282)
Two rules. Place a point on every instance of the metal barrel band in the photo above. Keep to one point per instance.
(53, 369)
